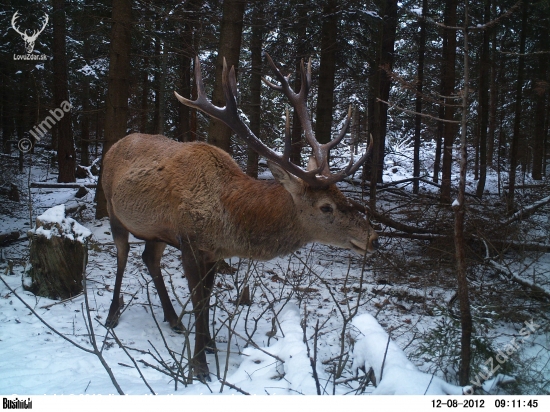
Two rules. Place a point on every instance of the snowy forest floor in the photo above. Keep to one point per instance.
(304, 306)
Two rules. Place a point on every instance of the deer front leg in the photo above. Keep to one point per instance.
(151, 257)
(200, 277)
(120, 237)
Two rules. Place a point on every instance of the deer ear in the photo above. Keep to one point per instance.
(291, 183)
(312, 164)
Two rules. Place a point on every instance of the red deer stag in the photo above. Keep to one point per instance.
(194, 197)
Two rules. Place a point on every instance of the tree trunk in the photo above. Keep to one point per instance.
(144, 109)
(162, 89)
(370, 169)
(116, 118)
(383, 84)
(483, 108)
(184, 124)
(229, 48)
(389, 27)
(301, 53)
(7, 108)
(386, 64)
(419, 86)
(448, 78)
(85, 126)
(460, 211)
(255, 84)
(493, 93)
(183, 132)
(327, 71)
(541, 91)
(22, 120)
(86, 107)
(160, 81)
(66, 156)
(514, 150)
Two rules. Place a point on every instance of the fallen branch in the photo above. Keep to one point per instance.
(389, 222)
(536, 290)
(46, 185)
(527, 211)
(516, 244)
(61, 301)
(438, 119)
(234, 387)
(539, 186)
(249, 341)
(12, 192)
(415, 236)
(6, 238)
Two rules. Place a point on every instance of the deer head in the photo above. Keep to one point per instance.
(29, 39)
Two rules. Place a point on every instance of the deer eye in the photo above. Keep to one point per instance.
(326, 209)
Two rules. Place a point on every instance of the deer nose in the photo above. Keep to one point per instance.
(375, 244)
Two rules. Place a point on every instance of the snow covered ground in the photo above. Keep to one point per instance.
(327, 295)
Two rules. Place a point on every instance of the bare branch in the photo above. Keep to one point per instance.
(416, 113)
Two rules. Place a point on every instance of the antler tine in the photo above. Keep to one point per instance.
(226, 114)
(288, 138)
(343, 131)
(285, 86)
(198, 77)
(229, 86)
(305, 78)
(352, 168)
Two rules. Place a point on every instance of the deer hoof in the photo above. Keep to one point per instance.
(111, 322)
(211, 347)
(202, 376)
(179, 328)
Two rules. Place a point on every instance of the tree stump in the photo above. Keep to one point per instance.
(58, 255)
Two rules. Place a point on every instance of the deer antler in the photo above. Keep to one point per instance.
(298, 101)
(229, 115)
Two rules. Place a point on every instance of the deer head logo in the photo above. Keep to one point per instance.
(29, 39)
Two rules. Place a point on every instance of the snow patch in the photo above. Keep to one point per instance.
(398, 376)
(258, 369)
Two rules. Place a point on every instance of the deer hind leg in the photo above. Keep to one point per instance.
(200, 275)
(151, 257)
(120, 237)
